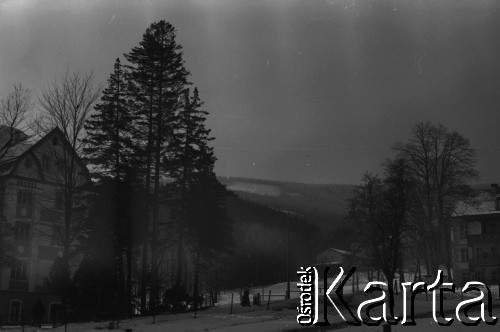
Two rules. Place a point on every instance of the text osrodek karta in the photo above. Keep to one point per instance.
(308, 313)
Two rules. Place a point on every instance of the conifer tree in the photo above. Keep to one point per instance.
(108, 141)
(190, 154)
(157, 71)
(203, 222)
(109, 152)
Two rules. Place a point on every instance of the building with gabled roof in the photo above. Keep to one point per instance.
(475, 241)
(31, 206)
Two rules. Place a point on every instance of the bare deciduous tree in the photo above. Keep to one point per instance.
(14, 110)
(66, 104)
(442, 163)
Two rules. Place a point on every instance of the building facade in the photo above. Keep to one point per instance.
(31, 210)
(476, 238)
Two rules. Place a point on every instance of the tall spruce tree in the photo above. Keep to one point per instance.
(108, 148)
(109, 152)
(203, 223)
(190, 155)
(157, 71)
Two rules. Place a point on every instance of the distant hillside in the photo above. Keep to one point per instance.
(264, 234)
(322, 205)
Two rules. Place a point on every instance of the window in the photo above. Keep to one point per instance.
(28, 184)
(22, 231)
(55, 312)
(479, 253)
(25, 203)
(464, 255)
(25, 197)
(19, 270)
(15, 311)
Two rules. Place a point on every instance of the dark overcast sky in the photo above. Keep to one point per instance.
(298, 90)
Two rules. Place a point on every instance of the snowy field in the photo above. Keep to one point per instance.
(281, 316)
(261, 321)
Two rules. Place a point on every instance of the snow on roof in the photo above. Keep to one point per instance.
(330, 263)
(481, 204)
(343, 252)
(340, 251)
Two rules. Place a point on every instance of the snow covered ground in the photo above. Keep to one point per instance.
(280, 317)
(248, 319)
(427, 325)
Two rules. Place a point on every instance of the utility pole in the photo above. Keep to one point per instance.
(289, 215)
(287, 295)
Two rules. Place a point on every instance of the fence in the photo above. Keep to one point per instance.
(257, 297)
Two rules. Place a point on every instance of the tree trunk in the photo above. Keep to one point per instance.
(121, 279)
(180, 266)
(417, 276)
(196, 291)
(68, 204)
(401, 271)
(149, 154)
(427, 261)
(144, 274)
(156, 210)
(130, 311)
